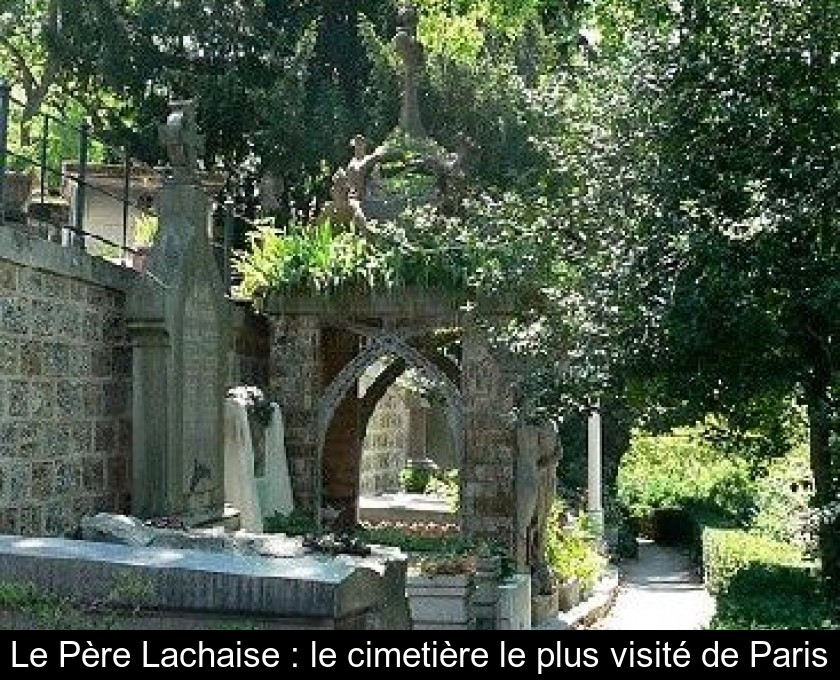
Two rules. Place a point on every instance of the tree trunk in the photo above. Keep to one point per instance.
(821, 424)
(25, 134)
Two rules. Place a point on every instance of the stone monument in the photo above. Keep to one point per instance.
(177, 314)
(536, 483)
(411, 51)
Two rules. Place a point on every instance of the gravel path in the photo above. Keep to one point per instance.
(659, 591)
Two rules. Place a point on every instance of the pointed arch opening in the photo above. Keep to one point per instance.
(354, 393)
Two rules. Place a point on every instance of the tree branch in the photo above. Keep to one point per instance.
(28, 80)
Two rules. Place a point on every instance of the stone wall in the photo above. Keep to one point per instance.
(65, 386)
(295, 384)
(251, 347)
(386, 443)
(488, 502)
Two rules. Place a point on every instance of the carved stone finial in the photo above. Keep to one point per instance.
(411, 52)
(180, 137)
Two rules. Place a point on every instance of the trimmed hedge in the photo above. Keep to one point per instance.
(726, 552)
(762, 584)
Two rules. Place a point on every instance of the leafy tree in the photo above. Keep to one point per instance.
(26, 28)
(740, 183)
(283, 86)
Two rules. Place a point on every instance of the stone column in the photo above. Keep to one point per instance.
(294, 383)
(488, 494)
(595, 497)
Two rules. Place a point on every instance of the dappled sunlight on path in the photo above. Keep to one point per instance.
(659, 591)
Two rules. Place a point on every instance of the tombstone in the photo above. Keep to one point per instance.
(257, 481)
(177, 320)
(274, 485)
(240, 479)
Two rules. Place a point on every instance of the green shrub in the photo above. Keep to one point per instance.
(620, 530)
(418, 537)
(321, 260)
(416, 542)
(682, 471)
(773, 597)
(728, 552)
(16, 595)
(296, 523)
(446, 483)
(415, 479)
(146, 228)
(672, 526)
(572, 550)
(760, 583)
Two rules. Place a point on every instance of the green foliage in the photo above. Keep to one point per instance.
(446, 483)
(43, 610)
(15, 595)
(132, 591)
(738, 246)
(415, 479)
(414, 538)
(296, 523)
(571, 548)
(726, 552)
(445, 565)
(775, 598)
(315, 259)
(783, 496)
(760, 583)
(413, 542)
(145, 229)
(680, 470)
(620, 530)
(321, 260)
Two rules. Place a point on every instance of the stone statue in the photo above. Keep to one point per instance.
(180, 137)
(536, 482)
(547, 446)
(411, 51)
(527, 490)
(362, 167)
(344, 209)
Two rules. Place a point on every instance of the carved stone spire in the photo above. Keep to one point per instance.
(411, 52)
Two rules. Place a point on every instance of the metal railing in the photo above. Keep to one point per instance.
(59, 210)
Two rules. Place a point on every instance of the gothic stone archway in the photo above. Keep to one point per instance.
(385, 343)
(320, 348)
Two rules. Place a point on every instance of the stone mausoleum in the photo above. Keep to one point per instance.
(114, 380)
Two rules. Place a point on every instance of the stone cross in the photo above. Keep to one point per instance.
(180, 137)
(411, 52)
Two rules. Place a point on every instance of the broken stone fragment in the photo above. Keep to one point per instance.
(120, 529)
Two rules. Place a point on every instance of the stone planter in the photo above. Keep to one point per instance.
(440, 602)
(568, 595)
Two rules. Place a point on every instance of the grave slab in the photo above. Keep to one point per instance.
(340, 592)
